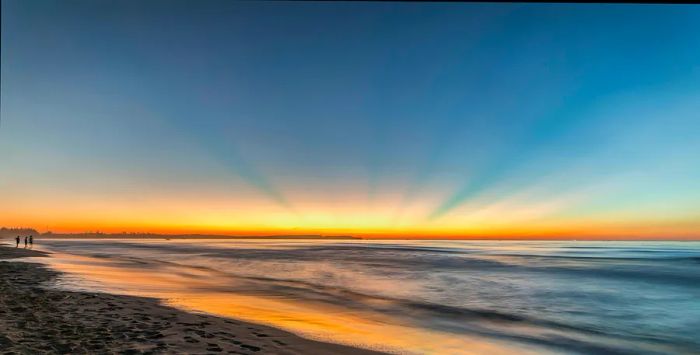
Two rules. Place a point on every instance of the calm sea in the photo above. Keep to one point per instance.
(446, 297)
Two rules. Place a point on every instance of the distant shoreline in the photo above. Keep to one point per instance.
(22, 232)
(165, 236)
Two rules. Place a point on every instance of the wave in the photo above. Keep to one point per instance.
(447, 296)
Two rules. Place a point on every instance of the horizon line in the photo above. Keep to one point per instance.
(369, 236)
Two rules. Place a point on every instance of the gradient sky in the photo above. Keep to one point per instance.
(375, 119)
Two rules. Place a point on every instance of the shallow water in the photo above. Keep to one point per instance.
(418, 296)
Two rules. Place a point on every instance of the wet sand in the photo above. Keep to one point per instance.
(35, 318)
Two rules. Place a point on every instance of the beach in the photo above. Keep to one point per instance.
(303, 296)
(38, 318)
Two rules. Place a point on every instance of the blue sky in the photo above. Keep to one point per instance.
(383, 105)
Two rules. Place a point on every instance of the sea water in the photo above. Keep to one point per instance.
(400, 296)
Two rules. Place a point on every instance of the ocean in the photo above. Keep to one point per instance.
(417, 297)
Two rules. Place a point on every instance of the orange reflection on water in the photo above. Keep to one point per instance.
(190, 287)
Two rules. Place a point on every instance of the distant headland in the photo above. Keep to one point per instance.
(13, 232)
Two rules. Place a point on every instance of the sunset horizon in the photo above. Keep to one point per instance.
(199, 128)
(611, 234)
(349, 177)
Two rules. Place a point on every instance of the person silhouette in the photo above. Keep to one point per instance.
(31, 240)
(25, 241)
(17, 240)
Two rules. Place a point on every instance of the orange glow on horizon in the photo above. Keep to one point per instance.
(509, 217)
(601, 231)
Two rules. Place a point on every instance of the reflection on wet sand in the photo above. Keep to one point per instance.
(417, 296)
(188, 288)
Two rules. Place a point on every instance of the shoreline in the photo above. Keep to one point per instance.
(39, 319)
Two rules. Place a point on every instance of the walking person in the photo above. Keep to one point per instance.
(25, 241)
(17, 240)
(31, 240)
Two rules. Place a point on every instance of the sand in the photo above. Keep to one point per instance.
(36, 318)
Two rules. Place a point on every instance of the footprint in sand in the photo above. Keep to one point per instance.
(250, 347)
(191, 340)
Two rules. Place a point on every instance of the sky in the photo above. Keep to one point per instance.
(445, 120)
